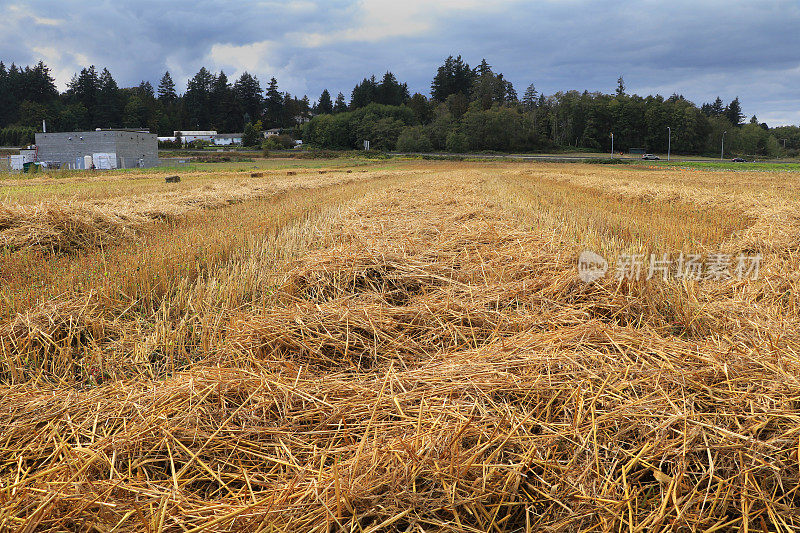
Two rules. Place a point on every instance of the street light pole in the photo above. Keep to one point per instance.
(722, 152)
(612, 145)
(669, 142)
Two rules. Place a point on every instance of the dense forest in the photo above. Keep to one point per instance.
(94, 100)
(468, 109)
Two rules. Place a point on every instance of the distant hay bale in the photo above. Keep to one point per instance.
(256, 174)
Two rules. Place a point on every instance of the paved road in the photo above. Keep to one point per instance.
(556, 157)
(511, 157)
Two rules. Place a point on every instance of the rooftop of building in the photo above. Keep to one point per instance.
(97, 130)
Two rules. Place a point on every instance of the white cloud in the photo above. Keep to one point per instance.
(262, 59)
(16, 14)
(63, 65)
(301, 6)
(253, 56)
(377, 20)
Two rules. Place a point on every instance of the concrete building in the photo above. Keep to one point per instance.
(104, 148)
(227, 139)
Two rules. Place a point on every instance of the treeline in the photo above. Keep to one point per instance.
(476, 109)
(469, 109)
(93, 99)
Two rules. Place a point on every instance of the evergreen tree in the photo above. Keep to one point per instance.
(109, 102)
(484, 69)
(503, 89)
(530, 97)
(249, 96)
(391, 92)
(485, 87)
(145, 91)
(290, 110)
(717, 108)
(453, 77)
(462, 77)
(222, 109)
(197, 95)
(152, 109)
(442, 84)
(364, 93)
(40, 85)
(166, 89)
(421, 108)
(620, 87)
(325, 105)
(8, 103)
(274, 104)
(304, 108)
(340, 106)
(733, 112)
(83, 90)
(250, 137)
(511, 93)
(135, 115)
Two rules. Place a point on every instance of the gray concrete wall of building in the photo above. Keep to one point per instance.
(131, 147)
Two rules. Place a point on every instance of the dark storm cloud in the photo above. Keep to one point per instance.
(700, 49)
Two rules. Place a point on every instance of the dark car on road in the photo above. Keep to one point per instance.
(739, 160)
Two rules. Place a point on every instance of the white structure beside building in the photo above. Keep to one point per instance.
(227, 139)
(271, 132)
(16, 162)
(189, 136)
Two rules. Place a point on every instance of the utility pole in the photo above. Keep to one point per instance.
(669, 142)
(784, 143)
(612, 145)
(722, 152)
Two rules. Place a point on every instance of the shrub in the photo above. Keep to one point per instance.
(199, 145)
(414, 139)
(250, 136)
(271, 143)
(456, 142)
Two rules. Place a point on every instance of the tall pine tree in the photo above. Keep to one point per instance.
(109, 102)
(324, 105)
(249, 97)
(733, 112)
(340, 106)
(198, 91)
(166, 89)
(274, 105)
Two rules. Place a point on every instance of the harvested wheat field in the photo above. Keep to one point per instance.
(406, 348)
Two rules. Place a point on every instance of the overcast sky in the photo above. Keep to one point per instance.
(699, 48)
